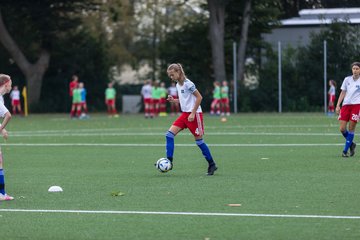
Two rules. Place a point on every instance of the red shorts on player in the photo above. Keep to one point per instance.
(15, 102)
(196, 127)
(331, 98)
(350, 113)
(162, 100)
(147, 101)
(225, 100)
(110, 102)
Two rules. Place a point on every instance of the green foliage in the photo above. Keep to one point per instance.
(191, 48)
(79, 54)
(302, 69)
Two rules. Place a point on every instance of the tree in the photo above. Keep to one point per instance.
(243, 39)
(217, 34)
(40, 23)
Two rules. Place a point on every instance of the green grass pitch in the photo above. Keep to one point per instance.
(285, 171)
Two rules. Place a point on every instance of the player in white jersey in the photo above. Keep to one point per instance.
(5, 87)
(15, 100)
(350, 110)
(172, 91)
(146, 93)
(331, 95)
(191, 117)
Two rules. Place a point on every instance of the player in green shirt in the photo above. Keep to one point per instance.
(156, 95)
(110, 96)
(163, 97)
(225, 103)
(76, 102)
(215, 104)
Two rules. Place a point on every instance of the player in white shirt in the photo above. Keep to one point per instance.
(15, 100)
(5, 87)
(349, 112)
(174, 106)
(191, 117)
(146, 92)
(331, 94)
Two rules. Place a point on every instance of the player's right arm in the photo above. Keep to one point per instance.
(172, 99)
(341, 98)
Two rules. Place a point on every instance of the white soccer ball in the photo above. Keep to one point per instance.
(163, 165)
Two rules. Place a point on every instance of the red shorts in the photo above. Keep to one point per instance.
(350, 113)
(110, 102)
(162, 100)
(225, 100)
(331, 98)
(147, 100)
(196, 127)
(15, 102)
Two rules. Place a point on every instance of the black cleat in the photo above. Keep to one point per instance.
(352, 149)
(211, 169)
(345, 155)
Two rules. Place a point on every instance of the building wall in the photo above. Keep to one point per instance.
(290, 36)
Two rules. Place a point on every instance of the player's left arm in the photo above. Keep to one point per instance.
(196, 105)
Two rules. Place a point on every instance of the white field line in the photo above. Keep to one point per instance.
(164, 129)
(84, 134)
(162, 145)
(181, 213)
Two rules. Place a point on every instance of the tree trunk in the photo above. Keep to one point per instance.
(216, 30)
(34, 77)
(33, 72)
(243, 40)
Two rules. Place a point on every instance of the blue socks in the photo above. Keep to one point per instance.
(205, 151)
(2, 182)
(170, 145)
(345, 134)
(201, 144)
(349, 140)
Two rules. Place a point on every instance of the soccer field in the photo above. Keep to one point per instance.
(284, 172)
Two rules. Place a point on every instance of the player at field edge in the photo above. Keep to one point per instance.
(15, 100)
(146, 94)
(110, 99)
(191, 117)
(215, 104)
(349, 112)
(5, 87)
(225, 102)
(331, 96)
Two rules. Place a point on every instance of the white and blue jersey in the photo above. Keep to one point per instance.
(352, 88)
(3, 109)
(186, 96)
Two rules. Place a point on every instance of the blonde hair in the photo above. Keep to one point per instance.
(177, 68)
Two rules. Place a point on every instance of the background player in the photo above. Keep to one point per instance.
(225, 103)
(110, 98)
(331, 94)
(174, 106)
(15, 101)
(147, 100)
(215, 104)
